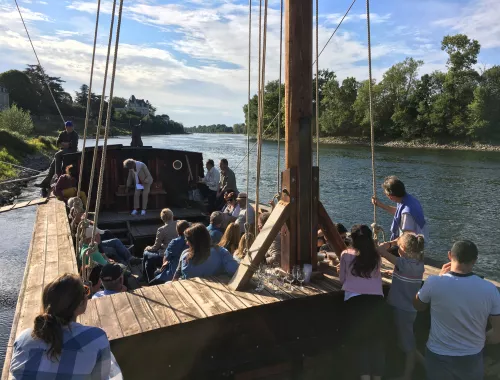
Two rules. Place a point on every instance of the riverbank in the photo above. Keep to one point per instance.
(20, 151)
(411, 144)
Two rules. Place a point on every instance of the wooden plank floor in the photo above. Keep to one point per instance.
(51, 254)
(17, 205)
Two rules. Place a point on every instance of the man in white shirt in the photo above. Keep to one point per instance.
(211, 182)
(244, 208)
(461, 304)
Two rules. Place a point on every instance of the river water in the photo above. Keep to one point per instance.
(459, 191)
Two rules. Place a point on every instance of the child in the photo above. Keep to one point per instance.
(406, 282)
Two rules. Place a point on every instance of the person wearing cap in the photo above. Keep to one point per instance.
(140, 179)
(461, 304)
(67, 143)
(112, 280)
(245, 208)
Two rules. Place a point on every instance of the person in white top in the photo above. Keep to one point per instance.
(140, 179)
(211, 182)
(461, 303)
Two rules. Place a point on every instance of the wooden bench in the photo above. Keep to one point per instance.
(157, 194)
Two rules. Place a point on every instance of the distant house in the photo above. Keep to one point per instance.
(4, 98)
(138, 105)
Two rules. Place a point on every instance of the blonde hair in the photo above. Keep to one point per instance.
(231, 238)
(166, 215)
(412, 245)
(241, 252)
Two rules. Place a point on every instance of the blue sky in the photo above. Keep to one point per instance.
(189, 57)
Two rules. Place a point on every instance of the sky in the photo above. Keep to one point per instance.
(189, 58)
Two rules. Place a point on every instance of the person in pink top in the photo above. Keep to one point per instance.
(365, 307)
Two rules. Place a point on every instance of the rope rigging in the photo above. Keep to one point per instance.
(278, 171)
(38, 60)
(87, 113)
(375, 227)
(317, 83)
(262, 78)
(247, 225)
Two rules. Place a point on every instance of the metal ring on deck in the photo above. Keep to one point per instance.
(177, 165)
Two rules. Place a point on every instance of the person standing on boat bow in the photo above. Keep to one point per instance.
(210, 185)
(140, 179)
(136, 136)
(227, 181)
(408, 214)
(67, 143)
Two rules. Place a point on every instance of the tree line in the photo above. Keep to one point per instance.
(28, 91)
(459, 104)
(217, 128)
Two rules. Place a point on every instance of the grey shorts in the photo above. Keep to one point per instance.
(404, 325)
(440, 367)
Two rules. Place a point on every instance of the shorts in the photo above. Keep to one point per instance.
(441, 367)
(404, 325)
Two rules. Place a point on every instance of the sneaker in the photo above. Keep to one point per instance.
(134, 212)
(143, 212)
(135, 261)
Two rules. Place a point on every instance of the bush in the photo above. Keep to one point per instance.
(16, 120)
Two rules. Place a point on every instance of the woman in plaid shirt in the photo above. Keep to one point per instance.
(57, 346)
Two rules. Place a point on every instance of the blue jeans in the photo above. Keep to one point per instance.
(441, 367)
(122, 252)
(150, 262)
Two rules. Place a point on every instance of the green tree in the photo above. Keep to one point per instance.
(16, 120)
(21, 90)
(119, 102)
(484, 111)
(39, 79)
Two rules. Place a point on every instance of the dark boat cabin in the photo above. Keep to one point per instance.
(175, 174)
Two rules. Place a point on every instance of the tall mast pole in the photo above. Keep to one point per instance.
(298, 128)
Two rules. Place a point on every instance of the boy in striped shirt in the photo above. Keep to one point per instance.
(406, 282)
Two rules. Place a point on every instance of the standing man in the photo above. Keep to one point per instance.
(136, 135)
(140, 179)
(211, 182)
(227, 181)
(67, 143)
(461, 304)
(408, 213)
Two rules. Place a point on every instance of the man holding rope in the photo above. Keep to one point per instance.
(408, 213)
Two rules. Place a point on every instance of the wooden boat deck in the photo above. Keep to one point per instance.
(51, 254)
(190, 321)
(110, 217)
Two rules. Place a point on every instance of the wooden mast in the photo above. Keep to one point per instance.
(298, 133)
(299, 212)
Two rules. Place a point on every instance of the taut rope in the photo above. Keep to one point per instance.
(278, 171)
(87, 114)
(317, 83)
(38, 60)
(247, 225)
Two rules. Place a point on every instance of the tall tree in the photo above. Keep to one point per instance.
(40, 79)
(21, 90)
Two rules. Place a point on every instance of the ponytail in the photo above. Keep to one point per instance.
(413, 245)
(60, 299)
(49, 329)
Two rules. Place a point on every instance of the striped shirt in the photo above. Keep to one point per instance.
(85, 355)
(406, 282)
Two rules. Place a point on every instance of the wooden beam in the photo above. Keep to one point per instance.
(330, 231)
(314, 216)
(298, 115)
(260, 246)
(289, 241)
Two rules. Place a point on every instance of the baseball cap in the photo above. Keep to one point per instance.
(242, 196)
(89, 231)
(69, 123)
(111, 272)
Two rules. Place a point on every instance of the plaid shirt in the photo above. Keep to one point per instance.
(85, 355)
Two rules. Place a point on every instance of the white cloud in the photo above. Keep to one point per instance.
(479, 20)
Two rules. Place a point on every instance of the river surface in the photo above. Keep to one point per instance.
(459, 191)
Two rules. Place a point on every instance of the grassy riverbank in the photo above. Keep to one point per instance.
(24, 151)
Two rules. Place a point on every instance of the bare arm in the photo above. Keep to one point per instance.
(493, 335)
(419, 305)
(382, 251)
(390, 209)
